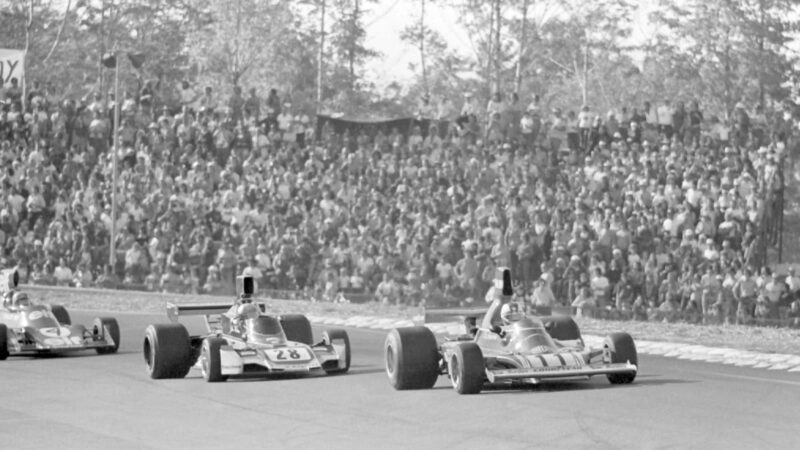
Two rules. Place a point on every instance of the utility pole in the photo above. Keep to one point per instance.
(522, 39)
(497, 50)
(321, 56)
(112, 254)
(422, 46)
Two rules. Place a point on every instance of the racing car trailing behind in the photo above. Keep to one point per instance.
(28, 329)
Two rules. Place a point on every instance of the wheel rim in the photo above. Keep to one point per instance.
(390, 360)
(204, 361)
(148, 355)
(455, 375)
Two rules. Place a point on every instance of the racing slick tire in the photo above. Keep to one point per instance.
(167, 351)
(337, 334)
(3, 342)
(210, 362)
(297, 328)
(562, 328)
(102, 325)
(412, 358)
(467, 368)
(619, 348)
(61, 314)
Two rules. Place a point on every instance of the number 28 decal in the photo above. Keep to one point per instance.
(292, 354)
(289, 354)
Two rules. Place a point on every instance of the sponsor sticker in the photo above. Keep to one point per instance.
(36, 315)
(56, 342)
(537, 370)
(59, 332)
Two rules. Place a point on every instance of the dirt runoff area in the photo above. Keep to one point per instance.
(770, 340)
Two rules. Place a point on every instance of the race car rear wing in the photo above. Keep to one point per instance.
(212, 309)
(175, 311)
(447, 315)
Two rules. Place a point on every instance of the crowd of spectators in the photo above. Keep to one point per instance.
(652, 214)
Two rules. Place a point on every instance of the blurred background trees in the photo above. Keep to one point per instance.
(569, 52)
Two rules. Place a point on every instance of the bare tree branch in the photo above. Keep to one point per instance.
(58, 35)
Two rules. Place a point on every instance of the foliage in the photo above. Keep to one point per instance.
(717, 51)
(723, 51)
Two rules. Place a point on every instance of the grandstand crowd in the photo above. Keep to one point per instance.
(650, 213)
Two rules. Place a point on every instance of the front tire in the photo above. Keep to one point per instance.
(167, 351)
(61, 314)
(467, 368)
(620, 348)
(210, 362)
(3, 342)
(338, 335)
(297, 328)
(107, 328)
(412, 358)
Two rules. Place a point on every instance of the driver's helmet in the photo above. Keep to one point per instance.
(247, 311)
(20, 299)
(511, 312)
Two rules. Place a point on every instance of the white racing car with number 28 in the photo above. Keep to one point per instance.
(242, 341)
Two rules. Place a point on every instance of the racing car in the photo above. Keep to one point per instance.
(242, 341)
(28, 329)
(518, 349)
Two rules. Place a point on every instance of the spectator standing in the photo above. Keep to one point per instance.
(585, 122)
(665, 113)
(252, 106)
(273, 110)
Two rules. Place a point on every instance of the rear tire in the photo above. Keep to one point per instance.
(467, 368)
(210, 361)
(167, 351)
(338, 335)
(107, 328)
(61, 314)
(562, 328)
(297, 328)
(620, 348)
(3, 342)
(412, 357)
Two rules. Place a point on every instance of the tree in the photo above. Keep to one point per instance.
(241, 35)
(348, 42)
(590, 33)
(732, 50)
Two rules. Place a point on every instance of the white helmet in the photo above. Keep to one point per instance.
(248, 311)
(511, 312)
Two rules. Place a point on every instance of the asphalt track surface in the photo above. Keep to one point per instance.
(108, 402)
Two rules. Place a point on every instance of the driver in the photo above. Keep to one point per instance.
(16, 300)
(511, 312)
(243, 309)
(7, 300)
(498, 296)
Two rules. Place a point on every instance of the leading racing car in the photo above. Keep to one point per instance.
(28, 329)
(509, 347)
(242, 341)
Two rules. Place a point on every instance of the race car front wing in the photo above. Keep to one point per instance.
(558, 372)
